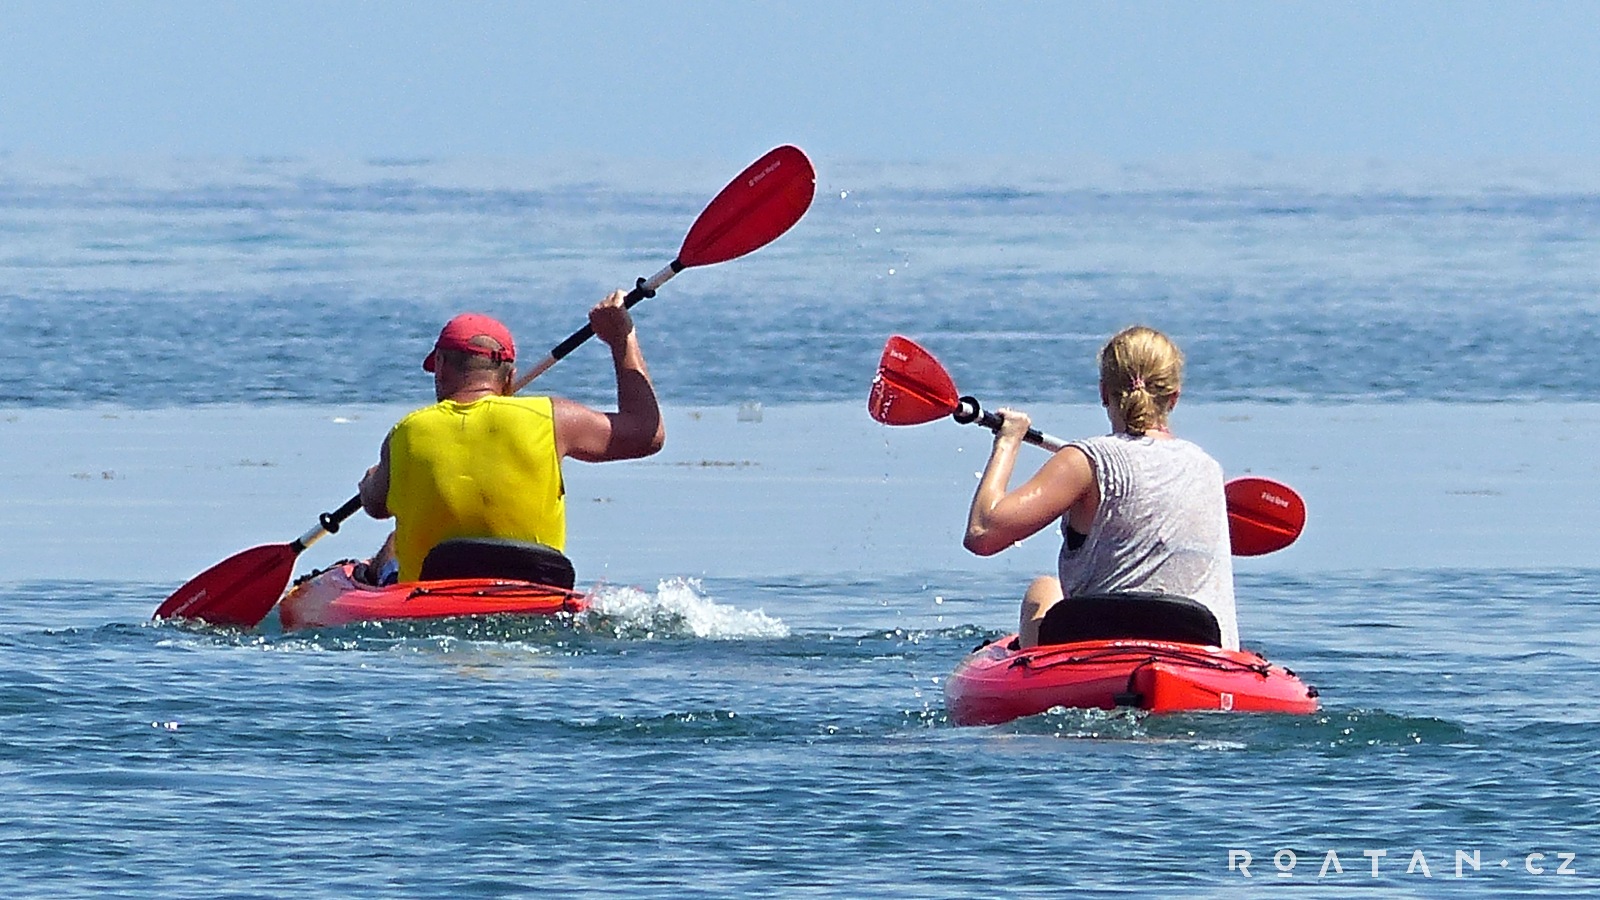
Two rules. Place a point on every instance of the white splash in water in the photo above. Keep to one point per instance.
(678, 607)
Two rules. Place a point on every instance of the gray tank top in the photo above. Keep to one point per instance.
(1162, 526)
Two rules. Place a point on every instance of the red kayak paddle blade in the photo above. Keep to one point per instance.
(1263, 515)
(753, 210)
(237, 592)
(911, 386)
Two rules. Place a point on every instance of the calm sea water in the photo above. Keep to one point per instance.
(280, 281)
(729, 736)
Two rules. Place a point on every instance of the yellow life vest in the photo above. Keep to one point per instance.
(488, 468)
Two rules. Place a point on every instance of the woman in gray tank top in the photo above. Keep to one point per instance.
(1141, 512)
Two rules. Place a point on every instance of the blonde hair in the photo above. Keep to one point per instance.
(1141, 371)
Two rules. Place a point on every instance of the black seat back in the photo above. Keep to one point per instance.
(1153, 617)
(498, 558)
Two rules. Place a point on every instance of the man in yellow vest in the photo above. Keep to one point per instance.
(481, 463)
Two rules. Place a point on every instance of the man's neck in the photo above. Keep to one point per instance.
(473, 390)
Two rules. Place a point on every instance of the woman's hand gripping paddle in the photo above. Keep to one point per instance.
(758, 206)
(911, 388)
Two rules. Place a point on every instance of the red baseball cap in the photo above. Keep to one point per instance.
(458, 334)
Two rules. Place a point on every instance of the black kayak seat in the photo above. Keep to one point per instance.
(1151, 617)
(498, 558)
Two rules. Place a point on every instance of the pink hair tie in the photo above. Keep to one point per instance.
(1138, 383)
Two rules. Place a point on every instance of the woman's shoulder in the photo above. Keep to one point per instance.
(1098, 440)
(1125, 445)
(1182, 446)
(1196, 457)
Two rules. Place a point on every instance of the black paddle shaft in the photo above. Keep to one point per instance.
(327, 523)
(641, 291)
(968, 412)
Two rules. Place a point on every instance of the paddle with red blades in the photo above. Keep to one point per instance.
(239, 591)
(757, 207)
(751, 211)
(911, 388)
(1263, 515)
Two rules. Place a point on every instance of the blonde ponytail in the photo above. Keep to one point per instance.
(1141, 372)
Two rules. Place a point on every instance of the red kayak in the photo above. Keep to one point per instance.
(335, 597)
(996, 683)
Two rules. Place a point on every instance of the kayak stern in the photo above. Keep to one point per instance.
(996, 683)
(334, 597)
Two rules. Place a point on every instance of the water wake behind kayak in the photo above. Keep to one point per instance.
(679, 607)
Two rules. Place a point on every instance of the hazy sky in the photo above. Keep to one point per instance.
(842, 78)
